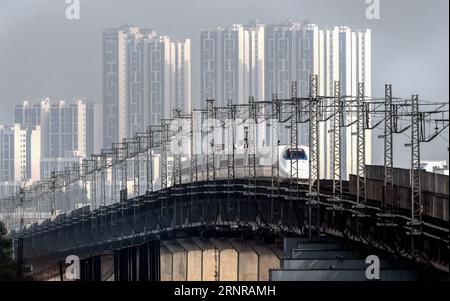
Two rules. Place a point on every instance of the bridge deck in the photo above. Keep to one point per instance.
(236, 207)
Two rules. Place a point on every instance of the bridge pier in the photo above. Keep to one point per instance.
(210, 260)
(178, 266)
(91, 269)
(194, 259)
(138, 263)
(228, 260)
(268, 258)
(247, 267)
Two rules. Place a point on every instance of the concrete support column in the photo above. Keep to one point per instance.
(267, 259)
(194, 259)
(179, 260)
(166, 263)
(228, 260)
(248, 269)
(210, 260)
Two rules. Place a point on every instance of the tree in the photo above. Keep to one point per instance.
(7, 265)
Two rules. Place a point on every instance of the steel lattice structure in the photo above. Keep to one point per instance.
(112, 165)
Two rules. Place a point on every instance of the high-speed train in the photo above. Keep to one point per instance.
(286, 155)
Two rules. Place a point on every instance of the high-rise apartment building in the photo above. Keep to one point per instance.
(181, 56)
(67, 126)
(71, 129)
(145, 77)
(19, 153)
(295, 51)
(347, 58)
(236, 59)
(232, 63)
(66, 132)
(292, 54)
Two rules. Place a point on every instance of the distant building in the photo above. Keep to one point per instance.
(355, 66)
(8, 189)
(67, 126)
(66, 132)
(439, 167)
(48, 165)
(237, 62)
(20, 151)
(145, 76)
(181, 56)
(292, 54)
(232, 63)
(71, 129)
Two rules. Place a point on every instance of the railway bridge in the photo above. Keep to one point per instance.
(156, 188)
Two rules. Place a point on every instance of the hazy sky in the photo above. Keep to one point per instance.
(44, 54)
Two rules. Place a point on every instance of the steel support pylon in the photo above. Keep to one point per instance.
(294, 140)
(415, 177)
(275, 170)
(211, 162)
(252, 120)
(230, 134)
(210, 156)
(337, 150)
(164, 150)
(388, 147)
(136, 165)
(314, 163)
(149, 160)
(361, 148)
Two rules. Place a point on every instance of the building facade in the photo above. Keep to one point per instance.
(20, 151)
(66, 132)
(292, 54)
(235, 60)
(346, 57)
(181, 56)
(145, 77)
(232, 63)
(67, 126)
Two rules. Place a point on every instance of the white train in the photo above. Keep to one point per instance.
(286, 156)
(285, 152)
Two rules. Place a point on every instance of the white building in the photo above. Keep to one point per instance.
(254, 35)
(71, 129)
(439, 167)
(181, 87)
(20, 153)
(237, 59)
(145, 76)
(48, 165)
(66, 133)
(66, 126)
(232, 63)
(292, 54)
(345, 56)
